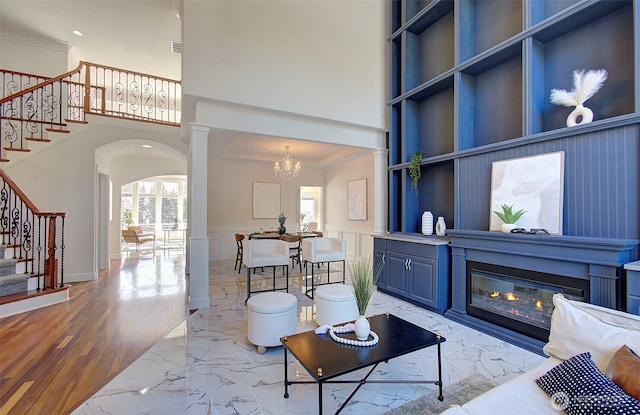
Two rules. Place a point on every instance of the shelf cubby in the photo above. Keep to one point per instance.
(542, 10)
(582, 49)
(430, 51)
(484, 24)
(436, 190)
(492, 107)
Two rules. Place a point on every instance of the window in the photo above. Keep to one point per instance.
(158, 203)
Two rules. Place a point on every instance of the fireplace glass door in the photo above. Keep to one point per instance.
(516, 299)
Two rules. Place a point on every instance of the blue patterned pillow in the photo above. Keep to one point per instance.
(580, 388)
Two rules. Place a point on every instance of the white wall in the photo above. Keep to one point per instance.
(63, 177)
(32, 55)
(316, 58)
(356, 233)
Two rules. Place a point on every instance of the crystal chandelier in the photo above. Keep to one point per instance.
(287, 169)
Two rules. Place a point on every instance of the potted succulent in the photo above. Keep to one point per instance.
(363, 279)
(414, 169)
(509, 217)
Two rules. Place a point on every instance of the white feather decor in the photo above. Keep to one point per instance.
(585, 85)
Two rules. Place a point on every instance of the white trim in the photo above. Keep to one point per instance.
(33, 303)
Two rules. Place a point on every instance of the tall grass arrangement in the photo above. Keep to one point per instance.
(363, 279)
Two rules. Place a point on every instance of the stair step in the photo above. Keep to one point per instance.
(23, 150)
(31, 300)
(13, 284)
(76, 121)
(7, 266)
(39, 140)
(55, 130)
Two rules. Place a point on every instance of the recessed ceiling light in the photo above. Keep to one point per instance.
(146, 146)
(77, 33)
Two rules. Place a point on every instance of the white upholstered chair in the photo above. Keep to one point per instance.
(316, 251)
(264, 253)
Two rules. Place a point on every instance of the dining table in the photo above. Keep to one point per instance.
(276, 235)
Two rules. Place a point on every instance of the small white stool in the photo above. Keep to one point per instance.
(271, 315)
(335, 303)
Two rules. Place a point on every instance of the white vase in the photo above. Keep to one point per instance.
(362, 328)
(441, 226)
(579, 111)
(427, 223)
(506, 227)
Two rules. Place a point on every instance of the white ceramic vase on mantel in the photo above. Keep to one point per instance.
(427, 223)
(507, 227)
(362, 328)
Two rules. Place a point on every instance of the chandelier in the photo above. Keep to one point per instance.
(287, 169)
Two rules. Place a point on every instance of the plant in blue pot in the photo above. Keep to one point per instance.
(282, 218)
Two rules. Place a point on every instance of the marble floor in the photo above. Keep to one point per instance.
(207, 360)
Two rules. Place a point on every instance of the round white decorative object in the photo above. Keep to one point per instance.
(586, 113)
(362, 328)
(427, 223)
(334, 331)
(506, 227)
(441, 226)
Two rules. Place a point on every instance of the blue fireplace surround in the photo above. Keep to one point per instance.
(599, 260)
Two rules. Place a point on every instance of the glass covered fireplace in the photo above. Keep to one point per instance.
(518, 299)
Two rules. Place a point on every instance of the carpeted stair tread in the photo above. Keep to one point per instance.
(13, 283)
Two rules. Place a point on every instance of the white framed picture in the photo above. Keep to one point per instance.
(357, 199)
(266, 200)
(534, 184)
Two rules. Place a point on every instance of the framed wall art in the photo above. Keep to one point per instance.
(357, 199)
(266, 200)
(534, 184)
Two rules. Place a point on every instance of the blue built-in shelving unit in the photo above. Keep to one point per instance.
(470, 83)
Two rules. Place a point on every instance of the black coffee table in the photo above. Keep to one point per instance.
(326, 359)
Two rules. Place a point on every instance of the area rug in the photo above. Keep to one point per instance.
(456, 393)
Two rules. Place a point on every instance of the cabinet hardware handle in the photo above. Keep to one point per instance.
(384, 260)
(409, 264)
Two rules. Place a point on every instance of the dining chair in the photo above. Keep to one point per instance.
(295, 249)
(239, 238)
(322, 250)
(264, 253)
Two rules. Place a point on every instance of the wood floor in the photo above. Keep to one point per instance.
(55, 358)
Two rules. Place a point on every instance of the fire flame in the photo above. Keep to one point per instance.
(511, 297)
(495, 294)
(539, 304)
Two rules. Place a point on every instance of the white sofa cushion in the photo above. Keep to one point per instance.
(578, 327)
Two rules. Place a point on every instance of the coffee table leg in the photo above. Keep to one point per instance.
(440, 397)
(286, 380)
(320, 398)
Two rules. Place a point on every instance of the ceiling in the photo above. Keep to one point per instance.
(137, 35)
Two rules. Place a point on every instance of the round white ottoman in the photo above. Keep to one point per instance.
(335, 303)
(271, 315)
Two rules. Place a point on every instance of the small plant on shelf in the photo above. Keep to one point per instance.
(509, 217)
(414, 169)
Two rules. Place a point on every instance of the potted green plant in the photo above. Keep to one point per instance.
(509, 217)
(364, 280)
(414, 169)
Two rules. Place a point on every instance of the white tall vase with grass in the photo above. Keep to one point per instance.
(363, 280)
(585, 85)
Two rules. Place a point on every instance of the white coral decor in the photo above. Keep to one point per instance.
(585, 85)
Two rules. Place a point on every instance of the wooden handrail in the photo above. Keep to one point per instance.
(40, 85)
(25, 199)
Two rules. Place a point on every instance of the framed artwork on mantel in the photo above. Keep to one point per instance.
(534, 184)
(266, 200)
(357, 199)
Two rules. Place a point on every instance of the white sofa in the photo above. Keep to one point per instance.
(576, 328)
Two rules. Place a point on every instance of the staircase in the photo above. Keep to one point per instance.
(34, 112)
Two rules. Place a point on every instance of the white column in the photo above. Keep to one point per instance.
(380, 177)
(199, 240)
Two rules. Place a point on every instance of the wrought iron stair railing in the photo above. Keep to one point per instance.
(35, 237)
(31, 111)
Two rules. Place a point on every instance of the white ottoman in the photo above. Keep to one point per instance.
(271, 315)
(335, 304)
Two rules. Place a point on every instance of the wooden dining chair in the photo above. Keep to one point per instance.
(239, 238)
(295, 249)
